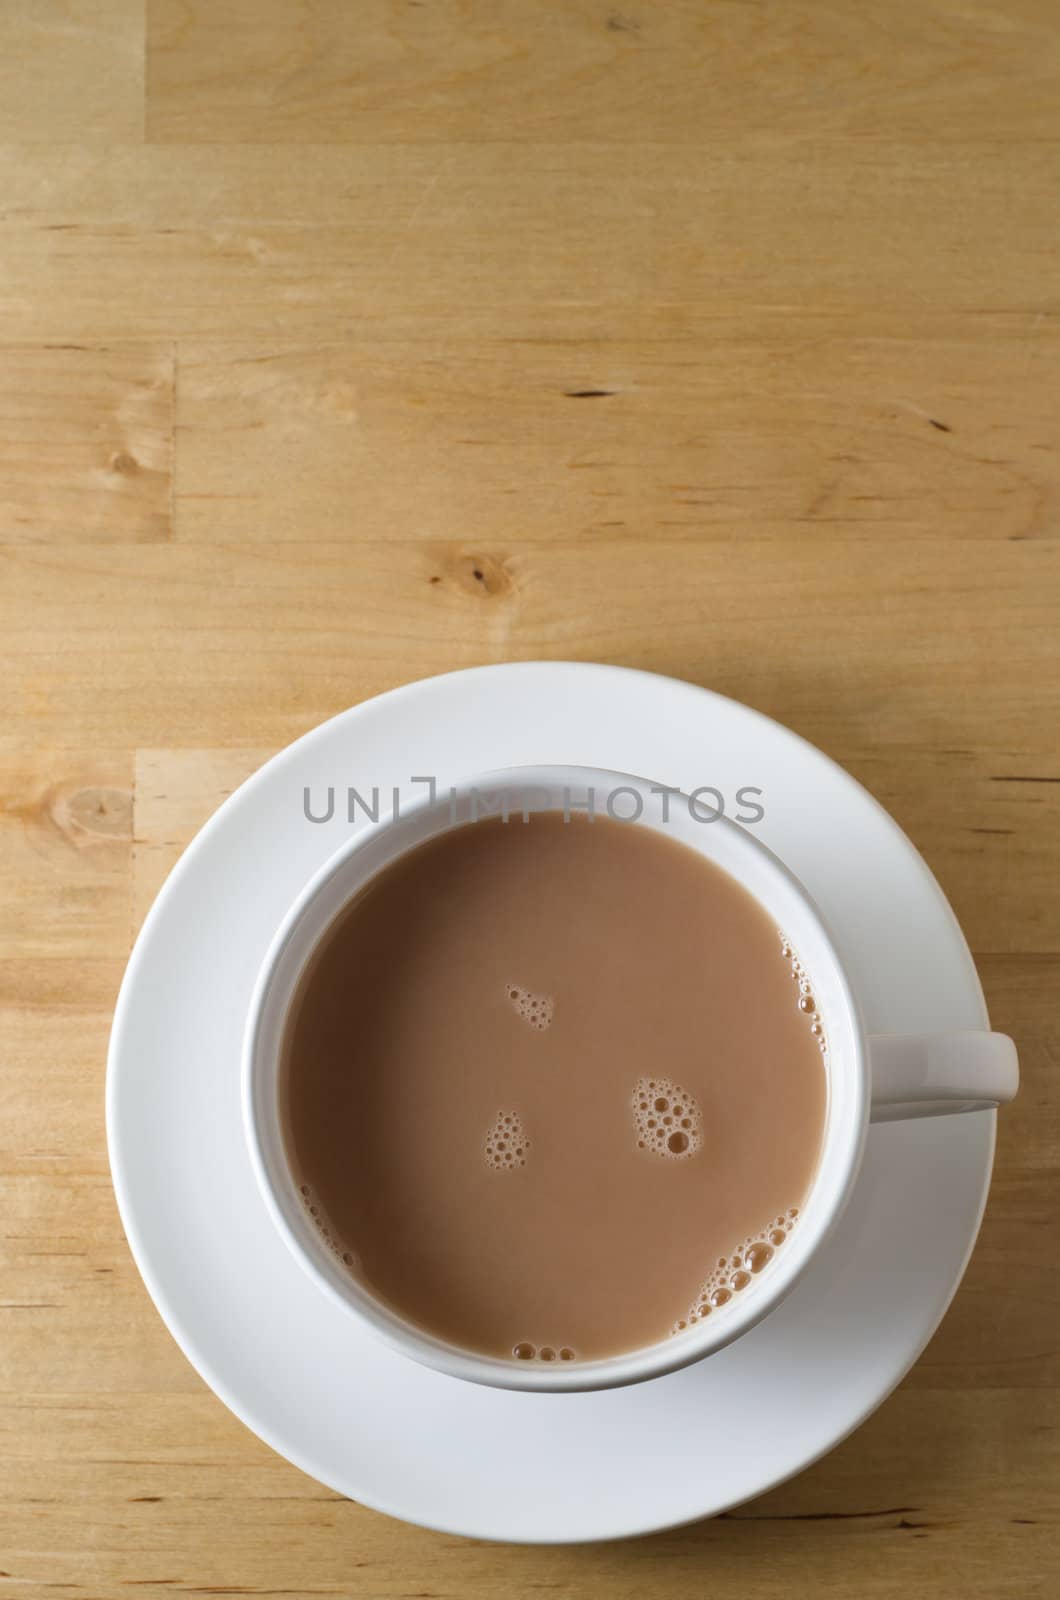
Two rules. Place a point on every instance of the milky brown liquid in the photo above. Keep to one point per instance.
(474, 1070)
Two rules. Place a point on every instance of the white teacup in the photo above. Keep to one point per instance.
(877, 1079)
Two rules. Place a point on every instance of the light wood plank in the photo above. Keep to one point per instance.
(86, 443)
(65, 853)
(516, 241)
(945, 647)
(55, 1014)
(222, 71)
(754, 431)
(72, 69)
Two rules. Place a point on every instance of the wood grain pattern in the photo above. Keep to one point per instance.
(755, 431)
(65, 831)
(923, 642)
(86, 440)
(627, 73)
(341, 344)
(516, 241)
(72, 69)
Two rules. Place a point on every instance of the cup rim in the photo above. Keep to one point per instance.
(667, 1355)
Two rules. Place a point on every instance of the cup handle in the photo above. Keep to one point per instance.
(934, 1074)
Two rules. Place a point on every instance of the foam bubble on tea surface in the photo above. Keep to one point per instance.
(804, 996)
(506, 1146)
(667, 1119)
(733, 1273)
(526, 1351)
(536, 1009)
(327, 1232)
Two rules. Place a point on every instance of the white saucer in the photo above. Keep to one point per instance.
(432, 1449)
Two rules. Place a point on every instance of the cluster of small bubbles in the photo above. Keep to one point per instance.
(536, 1009)
(525, 1351)
(326, 1232)
(734, 1272)
(667, 1119)
(506, 1144)
(806, 1002)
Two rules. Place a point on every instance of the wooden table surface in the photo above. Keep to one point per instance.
(343, 343)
